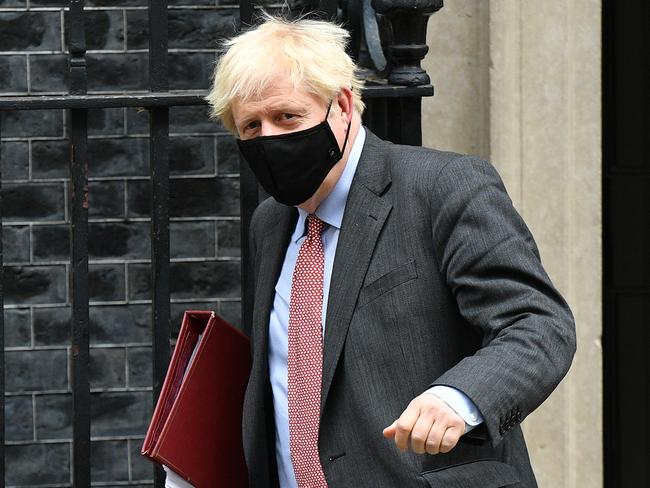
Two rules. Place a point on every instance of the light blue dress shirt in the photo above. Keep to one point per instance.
(329, 211)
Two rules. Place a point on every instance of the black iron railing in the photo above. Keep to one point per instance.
(391, 44)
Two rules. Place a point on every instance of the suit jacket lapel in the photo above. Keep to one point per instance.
(365, 213)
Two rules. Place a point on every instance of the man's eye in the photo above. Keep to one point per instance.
(287, 116)
(251, 125)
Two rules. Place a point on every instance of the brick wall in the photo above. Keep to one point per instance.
(204, 229)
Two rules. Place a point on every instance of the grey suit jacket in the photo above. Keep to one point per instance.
(436, 280)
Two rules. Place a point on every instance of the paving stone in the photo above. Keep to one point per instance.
(19, 418)
(15, 240)
(188, 28)
(32, 123)
(118, 157)
(207, 279)
(189, 197)
(141, 468)
(191, 155)
(106, 121)
(52, 326)
(13, 74)
(30, 31)
(109, 461)
(34, 284)
(119, 240)
(51, 242)
(106, 282)
(14, 157)
(104, 29)
(228, 238)
(37, 464)
(120, 413)
(48, 73)
(54, 416)
(36, 370)
(119, 324)
(107, 367)
(192, 239)
(51, 159)
(33, 202)
(117, 72)
(106, 199)
(231, 312)
(227, 155)
(140, 366)
(17, 327)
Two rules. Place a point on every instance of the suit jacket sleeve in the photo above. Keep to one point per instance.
(493, 269)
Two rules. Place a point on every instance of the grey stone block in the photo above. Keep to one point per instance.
(117, 72)
(140, 366)
(12, 3)
(182, 120)
(188, 28)
(35, 464)
(13, 74)
(51, 159)
(228, 238)
(106, 282)
(50, 242)
(17, 327)
(208, 279)
(118, 324)
(141, 468)
(118, 157)
(48, 73)
(189, 197)
(34, 284)
(19, 418)
(227, 155)
(191, 155)
(14, 157)
(30, 31)
(54, 416)
(32, 123)
(231, 312)
(107, 367)
(104, 29)
(106, 121)
(106, 199)
(120, 413)
(52, 326)
(15, 241)
(33, 202)
(192, 239)
(190, 71)
(109, 461)
(36, 370)
(119, 240)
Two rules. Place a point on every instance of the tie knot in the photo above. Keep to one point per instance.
(314, 226)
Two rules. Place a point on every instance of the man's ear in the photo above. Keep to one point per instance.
(345, 101)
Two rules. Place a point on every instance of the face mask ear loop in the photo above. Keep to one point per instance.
(347, 134)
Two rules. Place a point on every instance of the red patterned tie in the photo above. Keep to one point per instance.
(305, 358)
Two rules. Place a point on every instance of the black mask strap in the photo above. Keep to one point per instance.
(347, 133)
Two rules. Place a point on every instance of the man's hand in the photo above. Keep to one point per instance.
(431, 425)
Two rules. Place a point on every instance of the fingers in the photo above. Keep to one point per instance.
(428, 425)
(405, 424)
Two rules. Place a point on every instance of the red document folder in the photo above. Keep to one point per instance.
(196, 425)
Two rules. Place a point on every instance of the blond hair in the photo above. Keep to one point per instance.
(310, 52)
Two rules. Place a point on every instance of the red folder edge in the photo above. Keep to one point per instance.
(174, 384)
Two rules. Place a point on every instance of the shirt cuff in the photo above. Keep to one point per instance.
(459, 403)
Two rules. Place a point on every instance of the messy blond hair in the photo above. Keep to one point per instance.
(310, 52)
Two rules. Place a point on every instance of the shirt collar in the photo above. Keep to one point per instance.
(331, 209)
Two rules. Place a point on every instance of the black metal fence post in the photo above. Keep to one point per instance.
(80, 354)
(159, 170)
(2, 338)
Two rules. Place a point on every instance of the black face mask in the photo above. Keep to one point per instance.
(291, 167)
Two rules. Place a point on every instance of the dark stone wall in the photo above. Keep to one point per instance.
(204, 207)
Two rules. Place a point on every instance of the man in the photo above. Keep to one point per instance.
(403, 324)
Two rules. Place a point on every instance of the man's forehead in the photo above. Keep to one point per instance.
(296, 100)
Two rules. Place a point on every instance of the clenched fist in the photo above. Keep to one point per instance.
(430, 425)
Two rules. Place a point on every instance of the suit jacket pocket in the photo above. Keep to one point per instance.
(475, 474)
(401, 274)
